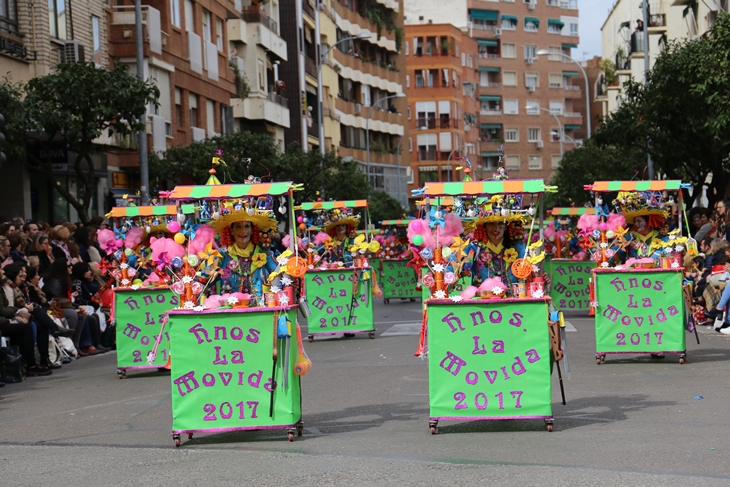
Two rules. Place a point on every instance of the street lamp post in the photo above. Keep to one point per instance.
(588, 94)
(560, 125)
(367, 128)
(398, 149)
(448, 160)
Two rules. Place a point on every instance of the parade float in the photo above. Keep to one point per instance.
(397, 279)
(491, 347)
(340, 281)
(638, 298)
(235, 342)
(141, 295)
(570, 267)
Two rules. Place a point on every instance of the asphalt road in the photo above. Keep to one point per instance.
(629, 421)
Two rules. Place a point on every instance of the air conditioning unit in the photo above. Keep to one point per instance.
(73, 52)
(358, 107)
(530, 60)
(539, 144)
(531, 89)
(531, 6)
(497, 32)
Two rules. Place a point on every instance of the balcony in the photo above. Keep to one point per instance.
(490, 111)
(255, 15)
(262, 106)
(308, 7)
(310, 67)
(489, 55)
(14, 47)
(124, 15)
(572, 115)
(427, 155)
(437, 123)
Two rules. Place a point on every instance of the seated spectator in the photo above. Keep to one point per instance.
(40, 247)
(85, 287)
(702, 219)
(30, 229)
(5, 258)
(59, 242)
(17, 242)
(81, 237)
(57, 287)
(20, 334)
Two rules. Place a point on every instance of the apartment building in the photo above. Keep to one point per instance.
(623, 40)
(362, 64)
(443, 104)
(35, 37)
(527, 88)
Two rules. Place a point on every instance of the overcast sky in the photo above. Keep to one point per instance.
(592, 15)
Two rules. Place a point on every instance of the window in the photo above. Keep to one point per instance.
(554, 26)
(554, 53)
(219, 34)
(178, 108)
(469, 61)
(193, 101)
(406, 45)
(533, 107)
(509, 50)
(408, 81)
(512, 163)
(206, 26)
(555, 80)
(189, 16)
(224, 118)
(555, 161)
(175, 12)
(56, 18)
(262, 74)
(426, 114)
(509, 78)
(531, 26)
(463, 59)
(530, 52)
(9, 16)
(95, 37)
(533, 134)
(573, 29)
(556, 107)
(427, 147)
(445, 77)
(509, 23)
(408, 110)
(511, 107)
(552, 3)
(511, 134)
(420, 82)
(410, 144)
(210, 116)
(534, 163)
(532, 81)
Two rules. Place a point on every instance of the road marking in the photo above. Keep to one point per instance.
(413, 328)
(569, 326)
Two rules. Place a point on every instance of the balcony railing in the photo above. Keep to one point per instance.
(571, 88)
(278, 99)
(437, 123)
(490, 112)
(573, 115)
(492, 85)
(427, 155)
(255, 14)
(489, 55)
(310, 67)
(485, 26)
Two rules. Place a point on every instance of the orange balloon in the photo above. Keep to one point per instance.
(302, 226)
(296, 267)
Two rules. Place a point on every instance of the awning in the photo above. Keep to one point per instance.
(488, 69)
(132, 211)
(478, 14)
(661, 185)
(570, 74)
(511, 18)
(570, 46)
(331, 205)
(532, 20)
(489, 98)
(488, 42)
(225, 191)
(491, 126)
(556, 22)
(396, 222)
(573, 211)
(512, 186)
(427, 168)
(572, 127)
(491, 154)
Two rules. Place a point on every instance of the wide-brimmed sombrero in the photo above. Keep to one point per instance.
(340, 217)
(263, 220)
(642, 204)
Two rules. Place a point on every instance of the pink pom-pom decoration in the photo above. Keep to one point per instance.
(490, 284)
(173, 227)
(580, 256)
(204, 235)
(321, 238)
(549, 231)
(419, 227)
(286, 241)
(588, 223)
(134, 237)
(469, 292)
(452, 228)
(614, 221)
(168, 247)
(107, 240)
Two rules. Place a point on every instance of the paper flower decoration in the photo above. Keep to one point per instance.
(286, 281)
(449, 278)
(189, 305)
(428, 280)
(258, 261)
(510, 255)
(275, 289)
(604, 265)
(187, 279)
(439, 294)
(438, 268)
(456, 298)
(675, 265)
(125, 282)
(446, 252)
(427, 253)
(538, 294)
(209, 255)
(283, 300)
(233, 265)
(232, 301)
(497, 290)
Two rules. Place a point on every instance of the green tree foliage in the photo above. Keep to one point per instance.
(11, 106)
(73, 107)
(384, 207)
(682, 117)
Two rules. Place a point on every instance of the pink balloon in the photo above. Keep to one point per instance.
(174, 227)
(300, 219)
(602, 226)
(119, 242)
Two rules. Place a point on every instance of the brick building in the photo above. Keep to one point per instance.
(443, 107)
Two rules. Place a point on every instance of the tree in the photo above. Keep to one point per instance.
(384, 207)
(590, 163)
(11, 106)
(75, 106)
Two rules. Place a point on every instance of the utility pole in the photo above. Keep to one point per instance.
(144, 171)
(645, 9)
